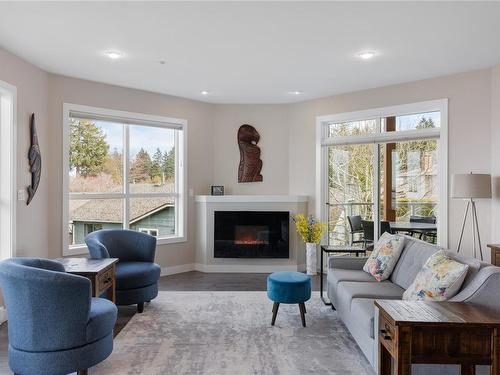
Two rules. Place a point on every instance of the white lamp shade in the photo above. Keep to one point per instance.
(471, 185)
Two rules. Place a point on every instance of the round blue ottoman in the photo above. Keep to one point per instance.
(289, 287)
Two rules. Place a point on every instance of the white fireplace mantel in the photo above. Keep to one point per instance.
(206, 205)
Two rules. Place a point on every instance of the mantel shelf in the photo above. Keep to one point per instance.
(251, 198)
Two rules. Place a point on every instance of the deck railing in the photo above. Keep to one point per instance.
(338, 226)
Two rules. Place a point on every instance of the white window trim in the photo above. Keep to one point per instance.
(8, 175)
(128, 117)
(441, 134)
(149, 230)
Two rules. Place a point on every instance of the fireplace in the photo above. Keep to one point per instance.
(251, 234)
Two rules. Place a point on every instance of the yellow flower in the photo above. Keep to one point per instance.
(309, 229)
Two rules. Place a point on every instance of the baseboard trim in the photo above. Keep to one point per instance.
(244, 268)
(229, 268)
(3, 314)
(172, 270)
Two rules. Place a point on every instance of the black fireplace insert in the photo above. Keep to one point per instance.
(251, 234)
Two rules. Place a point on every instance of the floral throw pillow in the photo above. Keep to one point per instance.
(439, 279)
(384, 257)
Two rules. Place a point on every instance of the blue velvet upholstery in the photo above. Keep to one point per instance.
(289, 287)
(55, 327)
(131, 275)
(136, 273)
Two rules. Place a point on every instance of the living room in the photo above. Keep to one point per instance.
(198, 164)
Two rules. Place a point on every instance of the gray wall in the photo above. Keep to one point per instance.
(288, 142)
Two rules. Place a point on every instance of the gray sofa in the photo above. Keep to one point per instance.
(353, 291)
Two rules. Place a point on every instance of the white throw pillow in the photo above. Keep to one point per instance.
(384, 257)
(439, 279)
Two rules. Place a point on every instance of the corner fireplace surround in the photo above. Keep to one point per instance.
(205, 254)
(251, 234)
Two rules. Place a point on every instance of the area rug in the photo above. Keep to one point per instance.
(218, 333)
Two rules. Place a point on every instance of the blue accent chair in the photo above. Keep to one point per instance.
(136, 273)
(291, 288)
(55, 326)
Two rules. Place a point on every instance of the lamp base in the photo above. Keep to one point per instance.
(475, 228)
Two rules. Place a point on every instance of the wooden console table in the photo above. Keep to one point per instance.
(100, 272)
(495, 254)
(437, 333)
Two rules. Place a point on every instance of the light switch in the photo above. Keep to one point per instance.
(21, 195)
(191, 192)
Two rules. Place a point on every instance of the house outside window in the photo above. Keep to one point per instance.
(123, 170)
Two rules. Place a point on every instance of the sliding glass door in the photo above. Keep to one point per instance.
(351, 173)
(383, 175)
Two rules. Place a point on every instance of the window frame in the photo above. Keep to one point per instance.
(379, 137)
(8, 171)
(133, 118)
(149, 231)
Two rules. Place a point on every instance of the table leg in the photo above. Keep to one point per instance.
(495, 352)
(95, 286)
(467, 369)
(113, 286)
(384, 360)
(402, 362)
(322, 253)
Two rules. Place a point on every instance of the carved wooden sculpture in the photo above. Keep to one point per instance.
(250, 163)
(35, 161)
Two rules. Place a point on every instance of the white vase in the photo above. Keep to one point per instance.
(311, 258)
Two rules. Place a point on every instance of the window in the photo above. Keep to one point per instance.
(89, 228)
(152, 232)
(123, 170)
(384, 164)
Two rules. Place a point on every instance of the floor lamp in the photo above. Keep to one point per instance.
(469, 187)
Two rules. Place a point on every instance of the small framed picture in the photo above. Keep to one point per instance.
(217, 190)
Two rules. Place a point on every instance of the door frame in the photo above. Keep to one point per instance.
(441, 134)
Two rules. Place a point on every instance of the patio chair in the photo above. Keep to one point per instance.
(368, 230)
(424, 233)
(355, 228)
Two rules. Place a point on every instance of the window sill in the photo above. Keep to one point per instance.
(82, 250)
(169, 240)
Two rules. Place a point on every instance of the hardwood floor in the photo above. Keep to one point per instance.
(195, 281)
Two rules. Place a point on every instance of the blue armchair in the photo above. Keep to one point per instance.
(55, 327)
(136, 273)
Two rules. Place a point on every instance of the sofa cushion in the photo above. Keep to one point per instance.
(131, 275)
(347, 290)
(363, 310)
(439, 279)
(336, 275)
(415, 254)
(102, 318)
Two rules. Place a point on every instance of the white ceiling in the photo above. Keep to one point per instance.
(253, 52)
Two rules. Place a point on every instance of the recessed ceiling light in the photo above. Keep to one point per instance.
(162, 62)
(205, 92)
(294, 92)
(366, 55)
(113, 54)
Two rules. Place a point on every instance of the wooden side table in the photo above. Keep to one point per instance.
(437, 333)
(495, 254)
(100, 272)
